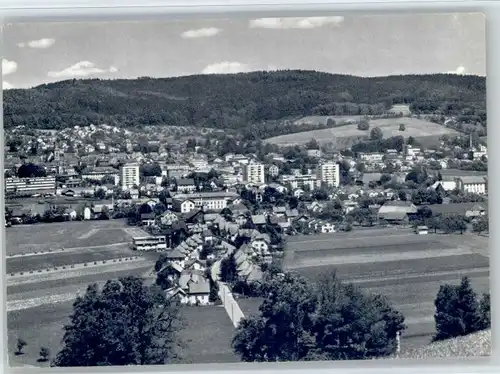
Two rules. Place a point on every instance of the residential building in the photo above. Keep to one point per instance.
(31, 186)
(274, 171)
(447, 184)
(300, 181)
(315, 153)
(177, 170)
(149, 243)
(186, 185)
(129, 176)
(183, 205)
(329, 173)
(98, 173)
(479, 153)
(200, 163)
(472, 184)
(371, 157)
(254, 173)
(208, 200)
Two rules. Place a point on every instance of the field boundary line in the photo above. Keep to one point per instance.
(413, 276)
(377, 258)
(64, 250)
(68, 272)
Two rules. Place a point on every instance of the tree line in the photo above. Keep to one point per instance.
(128, 322)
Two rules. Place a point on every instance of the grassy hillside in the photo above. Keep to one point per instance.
(347, 135)
(473, 345)
(236, 101)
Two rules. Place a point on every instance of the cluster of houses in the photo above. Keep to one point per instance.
(208, 238)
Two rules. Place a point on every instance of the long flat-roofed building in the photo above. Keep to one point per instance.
(30, 186)
(149, 243)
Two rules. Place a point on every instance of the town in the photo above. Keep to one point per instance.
(209, 217)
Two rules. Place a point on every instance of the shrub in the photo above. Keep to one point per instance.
(21, 273)
(39, 271)
(20, 345)
(44, 354)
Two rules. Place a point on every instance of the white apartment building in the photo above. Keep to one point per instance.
(329, 173)
(298, 181)
(26, 186)
(254, 172)
(129, 174)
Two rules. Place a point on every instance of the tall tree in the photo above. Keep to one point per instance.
(125, 323)
(457, 310)
(485, 312)
(376, 134)
(229, 269)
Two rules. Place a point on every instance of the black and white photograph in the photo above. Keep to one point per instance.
(231, 190)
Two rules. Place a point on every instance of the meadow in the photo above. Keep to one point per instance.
(343, 136)
(206, 335)
(54, 236)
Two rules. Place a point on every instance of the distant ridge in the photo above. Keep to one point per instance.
(233, 101)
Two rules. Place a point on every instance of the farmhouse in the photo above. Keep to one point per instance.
(471, 210)
(396, 212)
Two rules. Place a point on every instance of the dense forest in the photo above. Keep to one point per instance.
(238, 100)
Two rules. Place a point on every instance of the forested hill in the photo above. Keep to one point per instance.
(235, 101)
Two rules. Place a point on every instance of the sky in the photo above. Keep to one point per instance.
(37, 53)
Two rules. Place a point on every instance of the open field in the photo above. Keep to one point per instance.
(45, 236)
(57, 259)
(207, 335)
(422, 130)
(316, 120)
(405, 267)
(37, 311)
